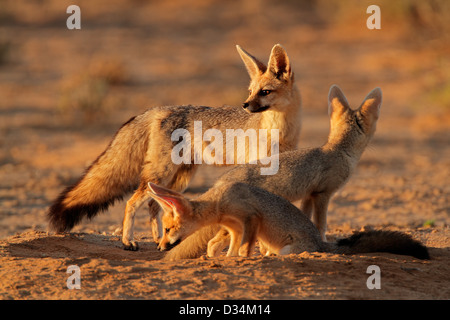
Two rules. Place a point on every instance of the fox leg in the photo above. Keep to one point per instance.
(155, 212)
(307, 206)
(159, 172)
(235, 241)
(149, 174)
(179, 183)
(235, 229)
(263, 249)
(138, 198)
(218, 243)
(250, 233)
(266, 250)
(320, 213)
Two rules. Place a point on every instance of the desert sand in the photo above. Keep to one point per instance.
(64, 93)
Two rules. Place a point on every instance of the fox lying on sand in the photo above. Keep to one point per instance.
(250, 213)
(312, 175)
(141, 150)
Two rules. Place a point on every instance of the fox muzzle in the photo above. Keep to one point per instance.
(252, 108)
(169, 246)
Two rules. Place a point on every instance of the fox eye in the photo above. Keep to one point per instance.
(167, 230)
(264, 92)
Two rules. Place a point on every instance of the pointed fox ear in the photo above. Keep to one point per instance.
(169, 200)
(337, 103)
(372, 104)
(161, 190)
(253, 65)
(279, 63)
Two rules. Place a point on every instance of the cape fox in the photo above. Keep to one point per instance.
(141, 149)
(250, 213)
(312, 175)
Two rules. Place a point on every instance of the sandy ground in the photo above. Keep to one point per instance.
(160, 53)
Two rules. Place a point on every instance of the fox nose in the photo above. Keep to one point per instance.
(169, 246)
(245, 105)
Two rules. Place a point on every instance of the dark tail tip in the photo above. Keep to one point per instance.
(62, 218)
(385, 241)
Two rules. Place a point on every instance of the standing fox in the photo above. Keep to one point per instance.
(250, 213)
(141, 149)
(312, 175)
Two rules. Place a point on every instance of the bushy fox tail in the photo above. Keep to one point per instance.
(379, 241)
(114, 173)
(193, 246)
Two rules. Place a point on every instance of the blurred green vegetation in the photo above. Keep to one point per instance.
(429, 223)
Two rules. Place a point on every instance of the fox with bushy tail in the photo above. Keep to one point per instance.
(141, 150)
(113, 174)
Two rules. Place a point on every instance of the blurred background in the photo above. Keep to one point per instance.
(63, 93)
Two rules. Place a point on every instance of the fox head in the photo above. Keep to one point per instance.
(178, 219)
(271, 87)
(358, 126)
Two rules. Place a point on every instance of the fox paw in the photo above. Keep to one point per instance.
(132, 246)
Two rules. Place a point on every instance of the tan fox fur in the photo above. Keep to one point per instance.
(141, 150)
(312, 175)
(249, 213)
